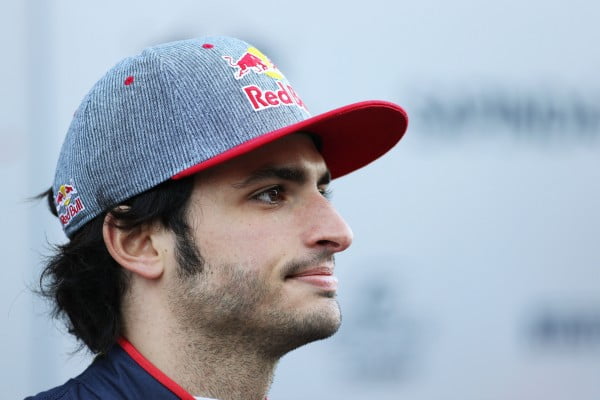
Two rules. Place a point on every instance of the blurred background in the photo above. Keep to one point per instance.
(475, 271)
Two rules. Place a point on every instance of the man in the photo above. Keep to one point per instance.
(193, 187)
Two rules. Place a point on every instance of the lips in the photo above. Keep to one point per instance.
(321, 277)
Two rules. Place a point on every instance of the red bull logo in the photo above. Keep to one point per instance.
(67, 206)
(253, 61)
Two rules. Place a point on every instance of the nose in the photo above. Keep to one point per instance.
(325, 228)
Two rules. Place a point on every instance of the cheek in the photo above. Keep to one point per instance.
(251, 243)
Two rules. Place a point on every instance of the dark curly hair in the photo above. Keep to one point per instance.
(86, 285)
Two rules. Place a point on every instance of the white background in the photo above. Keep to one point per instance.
(475, 272)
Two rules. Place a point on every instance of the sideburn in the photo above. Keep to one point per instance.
(187, 254)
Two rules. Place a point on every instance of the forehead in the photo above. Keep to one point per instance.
(297, 150)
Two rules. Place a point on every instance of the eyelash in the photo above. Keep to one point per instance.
(327, 193)
(281, 192)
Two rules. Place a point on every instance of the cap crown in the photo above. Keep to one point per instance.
(156, 114)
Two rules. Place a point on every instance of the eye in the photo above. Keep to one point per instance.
(326, 192)
(273, 195)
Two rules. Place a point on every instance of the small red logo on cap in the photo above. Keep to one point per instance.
(67, 204)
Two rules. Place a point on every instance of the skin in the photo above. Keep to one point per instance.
(267, 235)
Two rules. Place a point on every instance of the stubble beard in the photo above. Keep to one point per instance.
(242, 311)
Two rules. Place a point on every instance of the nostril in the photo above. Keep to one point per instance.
(332, 244)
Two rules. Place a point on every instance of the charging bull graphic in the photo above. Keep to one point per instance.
(246, 63)
(63, 197)
(255, 61)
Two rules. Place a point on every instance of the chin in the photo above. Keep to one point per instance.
(292, 331)
(323, 322)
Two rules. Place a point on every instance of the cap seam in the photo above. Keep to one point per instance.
(177, 113)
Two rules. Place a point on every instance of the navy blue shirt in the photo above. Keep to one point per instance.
(122, 373)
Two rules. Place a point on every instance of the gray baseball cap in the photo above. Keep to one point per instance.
(181, 107)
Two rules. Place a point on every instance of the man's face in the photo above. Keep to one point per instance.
(267, 235)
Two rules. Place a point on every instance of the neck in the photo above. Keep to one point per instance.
(225, 371)
(207, 365)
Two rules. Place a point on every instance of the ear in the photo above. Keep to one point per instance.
(134, 249)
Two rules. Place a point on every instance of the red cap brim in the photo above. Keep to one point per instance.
(351, 136)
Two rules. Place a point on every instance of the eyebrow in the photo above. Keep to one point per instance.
(291, 174)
